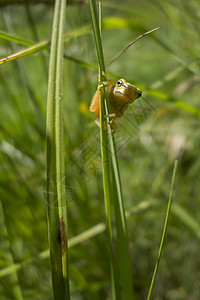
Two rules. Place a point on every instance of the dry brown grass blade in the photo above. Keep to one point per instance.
(130, 44)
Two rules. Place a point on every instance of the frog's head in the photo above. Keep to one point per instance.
(126, 89)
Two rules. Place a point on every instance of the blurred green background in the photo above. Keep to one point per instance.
(161, 126)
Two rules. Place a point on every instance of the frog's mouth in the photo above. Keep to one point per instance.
(132, 92)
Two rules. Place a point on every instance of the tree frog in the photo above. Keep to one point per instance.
(121, 95)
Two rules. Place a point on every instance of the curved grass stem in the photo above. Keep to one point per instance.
(164, 230)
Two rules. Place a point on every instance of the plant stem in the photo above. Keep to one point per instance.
(56, 197)
(112, 184)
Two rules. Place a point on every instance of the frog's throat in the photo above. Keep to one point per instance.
(132, 99)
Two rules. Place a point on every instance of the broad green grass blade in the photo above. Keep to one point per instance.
(164, 230)
(29, 51)
(60, 161)
(14, 38)
(178, 103)
(34, 48)
(56, 198)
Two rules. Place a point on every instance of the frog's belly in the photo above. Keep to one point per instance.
(119, 104)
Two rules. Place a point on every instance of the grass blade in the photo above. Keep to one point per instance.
(104, 151)
(130, 44)
(112, 185)
(164, 230)
(57, 210)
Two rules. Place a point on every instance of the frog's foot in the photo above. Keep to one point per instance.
(101, 84)
(113, 115)
(108, 79)
(97, 121)
(114, 125)
(107, 82)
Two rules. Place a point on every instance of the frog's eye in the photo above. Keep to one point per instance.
(119, 82)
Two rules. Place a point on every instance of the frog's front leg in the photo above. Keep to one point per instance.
(97, 121)
(101, 84)
(113, 116)
(108, 79)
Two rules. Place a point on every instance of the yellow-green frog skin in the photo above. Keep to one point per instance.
(121, 95)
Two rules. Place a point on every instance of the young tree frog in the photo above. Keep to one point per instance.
(121, 95)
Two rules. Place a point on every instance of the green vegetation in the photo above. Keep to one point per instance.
(157, 129)
(56, 192)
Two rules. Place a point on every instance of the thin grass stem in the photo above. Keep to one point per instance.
(164, 230)
(130, 44)
(121, 276)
